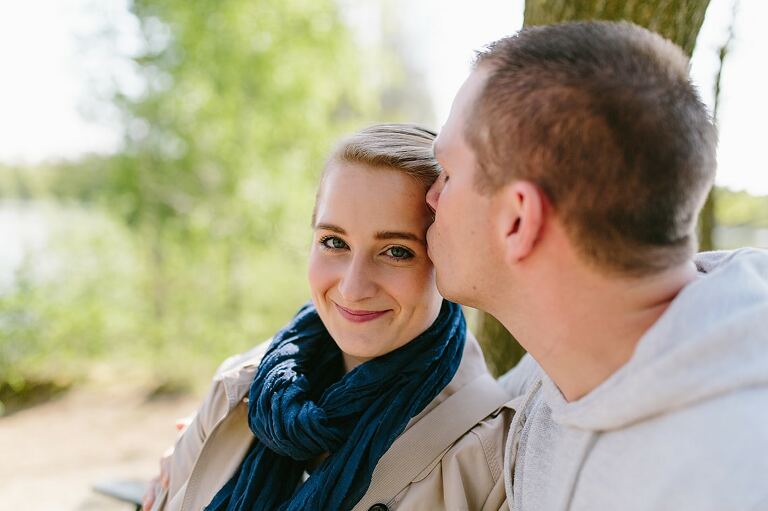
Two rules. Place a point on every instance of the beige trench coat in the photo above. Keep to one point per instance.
(468, 475)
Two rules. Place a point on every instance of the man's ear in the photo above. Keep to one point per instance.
(522, 206)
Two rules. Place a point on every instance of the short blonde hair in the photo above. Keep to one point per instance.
(401, 147)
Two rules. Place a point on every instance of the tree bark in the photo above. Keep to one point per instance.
(677, 20)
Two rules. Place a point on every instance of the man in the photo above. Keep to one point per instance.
(576, 158)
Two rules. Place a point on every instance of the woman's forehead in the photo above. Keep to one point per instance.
(372, 199)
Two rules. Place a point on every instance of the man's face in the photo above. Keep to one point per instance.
(460, 239)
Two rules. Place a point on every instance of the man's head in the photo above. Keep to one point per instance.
(594, 126)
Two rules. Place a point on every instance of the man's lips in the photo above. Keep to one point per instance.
(359, 316)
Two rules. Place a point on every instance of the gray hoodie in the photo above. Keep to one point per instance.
(682, 426)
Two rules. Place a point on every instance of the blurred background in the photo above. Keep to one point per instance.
(158, 160)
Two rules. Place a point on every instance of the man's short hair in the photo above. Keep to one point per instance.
(604, 119)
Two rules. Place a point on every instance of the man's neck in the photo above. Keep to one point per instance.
(581, 326)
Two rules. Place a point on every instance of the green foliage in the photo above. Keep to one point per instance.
(87, 297)
(190, 244)
(61, 309)
(242, 103)
(740, 208)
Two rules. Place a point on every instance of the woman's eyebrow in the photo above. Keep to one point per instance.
(381, 235)
(331, 227)
(398, 235)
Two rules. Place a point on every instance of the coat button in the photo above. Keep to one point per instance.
(378, 507)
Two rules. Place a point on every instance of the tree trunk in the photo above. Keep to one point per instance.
(707, 223)
(677, 20)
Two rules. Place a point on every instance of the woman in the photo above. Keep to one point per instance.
(374, 396)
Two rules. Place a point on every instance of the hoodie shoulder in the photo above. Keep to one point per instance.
(707, 262)
(711, 341)
(706, 457)
(517, 380)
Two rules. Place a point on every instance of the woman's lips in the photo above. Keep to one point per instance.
(359, 316)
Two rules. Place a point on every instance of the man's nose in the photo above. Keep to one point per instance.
(357, 283)
(433, 194)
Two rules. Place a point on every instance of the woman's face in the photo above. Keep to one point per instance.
(370, 277)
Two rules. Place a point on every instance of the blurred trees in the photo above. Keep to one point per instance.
(190, 243)
(707, 220)
(206, 209)
(677, 20)
(242, 101)
(740, 209)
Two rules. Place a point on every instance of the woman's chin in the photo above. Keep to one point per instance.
(353, 360)
(360, 351)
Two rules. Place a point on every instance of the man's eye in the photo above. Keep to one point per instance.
(399, 253)
(333, 242)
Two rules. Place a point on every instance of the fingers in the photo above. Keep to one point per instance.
(181, 424)
(164, 479)
(148, 500)
(165, 471)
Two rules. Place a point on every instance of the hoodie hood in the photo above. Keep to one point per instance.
(711, 340)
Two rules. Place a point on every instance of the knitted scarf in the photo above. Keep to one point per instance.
(302, 407)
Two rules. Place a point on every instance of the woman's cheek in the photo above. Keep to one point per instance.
(418, 286)
(320, 273)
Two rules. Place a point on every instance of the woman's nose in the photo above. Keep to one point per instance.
(357, 282)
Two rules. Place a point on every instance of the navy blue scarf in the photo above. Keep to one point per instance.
(301, 407)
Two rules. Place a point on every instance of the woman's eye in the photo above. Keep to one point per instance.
(333, 242)
(400, 253)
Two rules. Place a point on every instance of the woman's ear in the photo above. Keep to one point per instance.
(522, 211)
